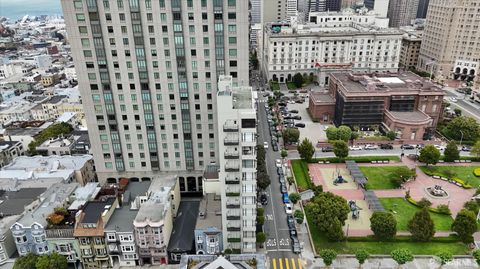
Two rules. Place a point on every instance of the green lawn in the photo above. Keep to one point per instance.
(405, 211)
(300, 170)
(464, 173)
(375, 247)
(379, 177)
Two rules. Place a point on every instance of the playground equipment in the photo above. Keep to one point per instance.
(354, 208)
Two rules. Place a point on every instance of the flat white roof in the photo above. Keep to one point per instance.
(391, 80)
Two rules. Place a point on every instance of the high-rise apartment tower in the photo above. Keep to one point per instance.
(147, 73)
(402, 12)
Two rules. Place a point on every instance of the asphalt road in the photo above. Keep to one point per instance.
(278, 244)
(469, 109)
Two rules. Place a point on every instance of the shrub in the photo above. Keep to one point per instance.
(443, 209)
(476, 172)
(424, 203)
(328, 256)
(298, 214)
(260, 211)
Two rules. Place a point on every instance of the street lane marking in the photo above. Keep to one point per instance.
(293, 264)
(287, 264)
(280, 263)
(274, 263)
(299, 264)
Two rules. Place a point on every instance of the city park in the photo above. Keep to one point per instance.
(390, 205)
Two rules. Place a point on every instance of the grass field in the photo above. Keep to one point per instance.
(464, 173)
(405, 211)
(300, 169)
(375, 247)
(379, 178)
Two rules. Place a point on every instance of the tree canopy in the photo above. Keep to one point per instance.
(402, 256)
(421, 226)
(465, 224)
(451, 152)
(306, 150)
(466, 125)
(291, 135)
(51, 131)
(341, 133)
(330, 212)
(328, 256)
(340, 149)
(383, 225)
(429, 155)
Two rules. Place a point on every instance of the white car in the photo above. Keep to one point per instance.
(453, 99)
(278, 163)
(265, 145)
(439, 147)
(371, 147)
(355, 148)
(288, 209)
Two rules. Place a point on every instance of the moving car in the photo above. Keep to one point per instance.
(386, 146)
(355, 148)
(300, 125)
(288, 208)
(371, 147)
(265, 145)
(285, 198)
(407, 146)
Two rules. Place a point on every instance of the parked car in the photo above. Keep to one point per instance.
(299, 101)
(283, 188)
(294, 111)
(264, 199)
(281, 179)
(275, 147)
(265, 145)
(300, 125)
(370, 147)
(327, 149)
(420, 146)
(453, 99)
(296, 117)
(407, 146)
(279, 171)
(386, 146)
(278, 163)
(285, 198)
(466, 148)
(355, 148)
(293, 233)
(296, 248)
(439, 147)
(290, 222)
(288, 208)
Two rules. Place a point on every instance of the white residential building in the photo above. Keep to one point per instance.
(329, 42)
(237, 148)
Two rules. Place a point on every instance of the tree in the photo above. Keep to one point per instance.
(344, 133)
(298, 215)
(291, 135)
(429, 155)
(298, 80)
(472, 206)
(424, 203)
(402, 256)
(329, 212)
(444, 257)
(317, 189)
(401, 175)
(263, 180)
(283, 154)
(52, 261)
(383, 225)
(261, 237)
(294, 197)
(465, 224)
(26, 262)
(421, 226)
(355, 135)
(451, 152)
(476, 256)
(306, 150)
(458, 112)
(362, 255)
(469, 127)
(475, 150)
(340, 148)
(54, 130)
(332, 133)
(391, 135)
(328, 256)
(55, 219)
(260, 220)
(254, 60)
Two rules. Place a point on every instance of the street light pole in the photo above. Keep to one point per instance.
(461, 138)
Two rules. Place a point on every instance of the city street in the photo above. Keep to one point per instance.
(278, 244)
(469, 109)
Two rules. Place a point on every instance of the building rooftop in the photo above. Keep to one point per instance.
(243, 98)
(56, 142)
(210, 212)
(14, 202)
(211, 171)
(32, 131)
(321, 97)
(123, 217)
(55, 196)
(233, 261)
(158, 201)
(412, 116)
(56, 99)
(93, 210)
(183, 228)
(386, 83)
(84, 194)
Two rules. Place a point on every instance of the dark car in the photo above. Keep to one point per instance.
(293, 111)
(296, 117)
(279, 171)
(283, 188)
(293, 234)
(466, 148)
(407, 146)
(327, 149)
(287, 117)
(386, 146)
(300, 125)
(282, 104)
(281, 179)
(299, 101)
(264, 199)
(290, 222)
(275, 147)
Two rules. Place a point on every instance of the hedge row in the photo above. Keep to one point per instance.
(403, 238)
(431, 209)
(358, 159)
(456, 179)
(476, 172)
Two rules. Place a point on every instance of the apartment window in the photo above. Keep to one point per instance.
(85, 42)
(163, 17)
(232, 40)
(232, 28)
(80, 17)
(232, 3)
(111, 236)
(232, 52)
(78, 4)
(82, 29)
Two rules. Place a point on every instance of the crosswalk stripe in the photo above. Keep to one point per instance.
(280, 263)
(293, 264)
(274, 263)
(287, 264)
(299, 264)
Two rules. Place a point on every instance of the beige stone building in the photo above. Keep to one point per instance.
(451, 40)
(402, 12)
